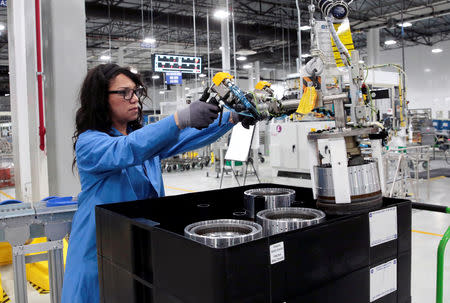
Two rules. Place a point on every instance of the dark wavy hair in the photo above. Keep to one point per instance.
(94, 112)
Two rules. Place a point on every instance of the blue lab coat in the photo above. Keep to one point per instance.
(111, 169)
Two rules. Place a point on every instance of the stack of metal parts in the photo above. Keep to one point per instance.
(280, 220)
(267, 198)
(349, 184)
(364, 184)
(272, 208)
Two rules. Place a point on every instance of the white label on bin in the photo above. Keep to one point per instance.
(276, 252)
(383, 226)
(383, 280)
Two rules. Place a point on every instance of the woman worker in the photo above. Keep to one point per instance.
(119, 160)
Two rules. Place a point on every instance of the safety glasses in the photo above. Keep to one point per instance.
(128, 93)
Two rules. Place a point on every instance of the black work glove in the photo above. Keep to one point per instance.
(198, 115)
(205, 95)
(245, 120)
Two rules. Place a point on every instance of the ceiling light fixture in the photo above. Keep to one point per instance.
(247, 66)
(436, 50)
(361, 61)
(405, 24)
(245, 52)
(427, 70)
(155, 77)
(149, 40)
(161, 92)
(390, 42)
(105, 57)
(241, 58)
(187, 88)
(305, 28)
(221, 14)
(202, 76)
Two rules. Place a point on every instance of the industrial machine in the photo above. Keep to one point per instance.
(259, 106)
(289, 154)
(344, 179)
(349, 183)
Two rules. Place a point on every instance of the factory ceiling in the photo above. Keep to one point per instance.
(268, 27)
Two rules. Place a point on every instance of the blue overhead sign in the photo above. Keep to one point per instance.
(174, 78)
(3, 3)
(177, 63)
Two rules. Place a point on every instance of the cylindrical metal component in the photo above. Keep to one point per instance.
(364, 181)
(223, 233)
(258, 199)
(331, 98)
(290, 104)
(279, 220)
(365, 189)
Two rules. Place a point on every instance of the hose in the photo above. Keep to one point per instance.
(401, 85)
(431, 207)
(340, 46)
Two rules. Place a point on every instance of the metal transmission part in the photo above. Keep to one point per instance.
(336, 8)
(365, 188)
(280, 220)
(267, 198)
(223, 233)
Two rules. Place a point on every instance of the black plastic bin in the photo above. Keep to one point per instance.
(144, 257)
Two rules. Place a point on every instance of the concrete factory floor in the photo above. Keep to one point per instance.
(428, 227)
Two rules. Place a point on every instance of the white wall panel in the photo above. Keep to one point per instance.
(425, 89)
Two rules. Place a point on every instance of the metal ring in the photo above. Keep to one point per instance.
(281, 192)
(279, 220)
(223, 233)
(272, 198)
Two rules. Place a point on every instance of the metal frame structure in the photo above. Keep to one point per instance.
(402, 178)
(268, 27)
(23, 221)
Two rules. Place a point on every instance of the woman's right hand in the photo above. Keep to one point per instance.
(198, 115)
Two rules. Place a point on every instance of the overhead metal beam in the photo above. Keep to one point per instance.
(417, 13)
(95, 10)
